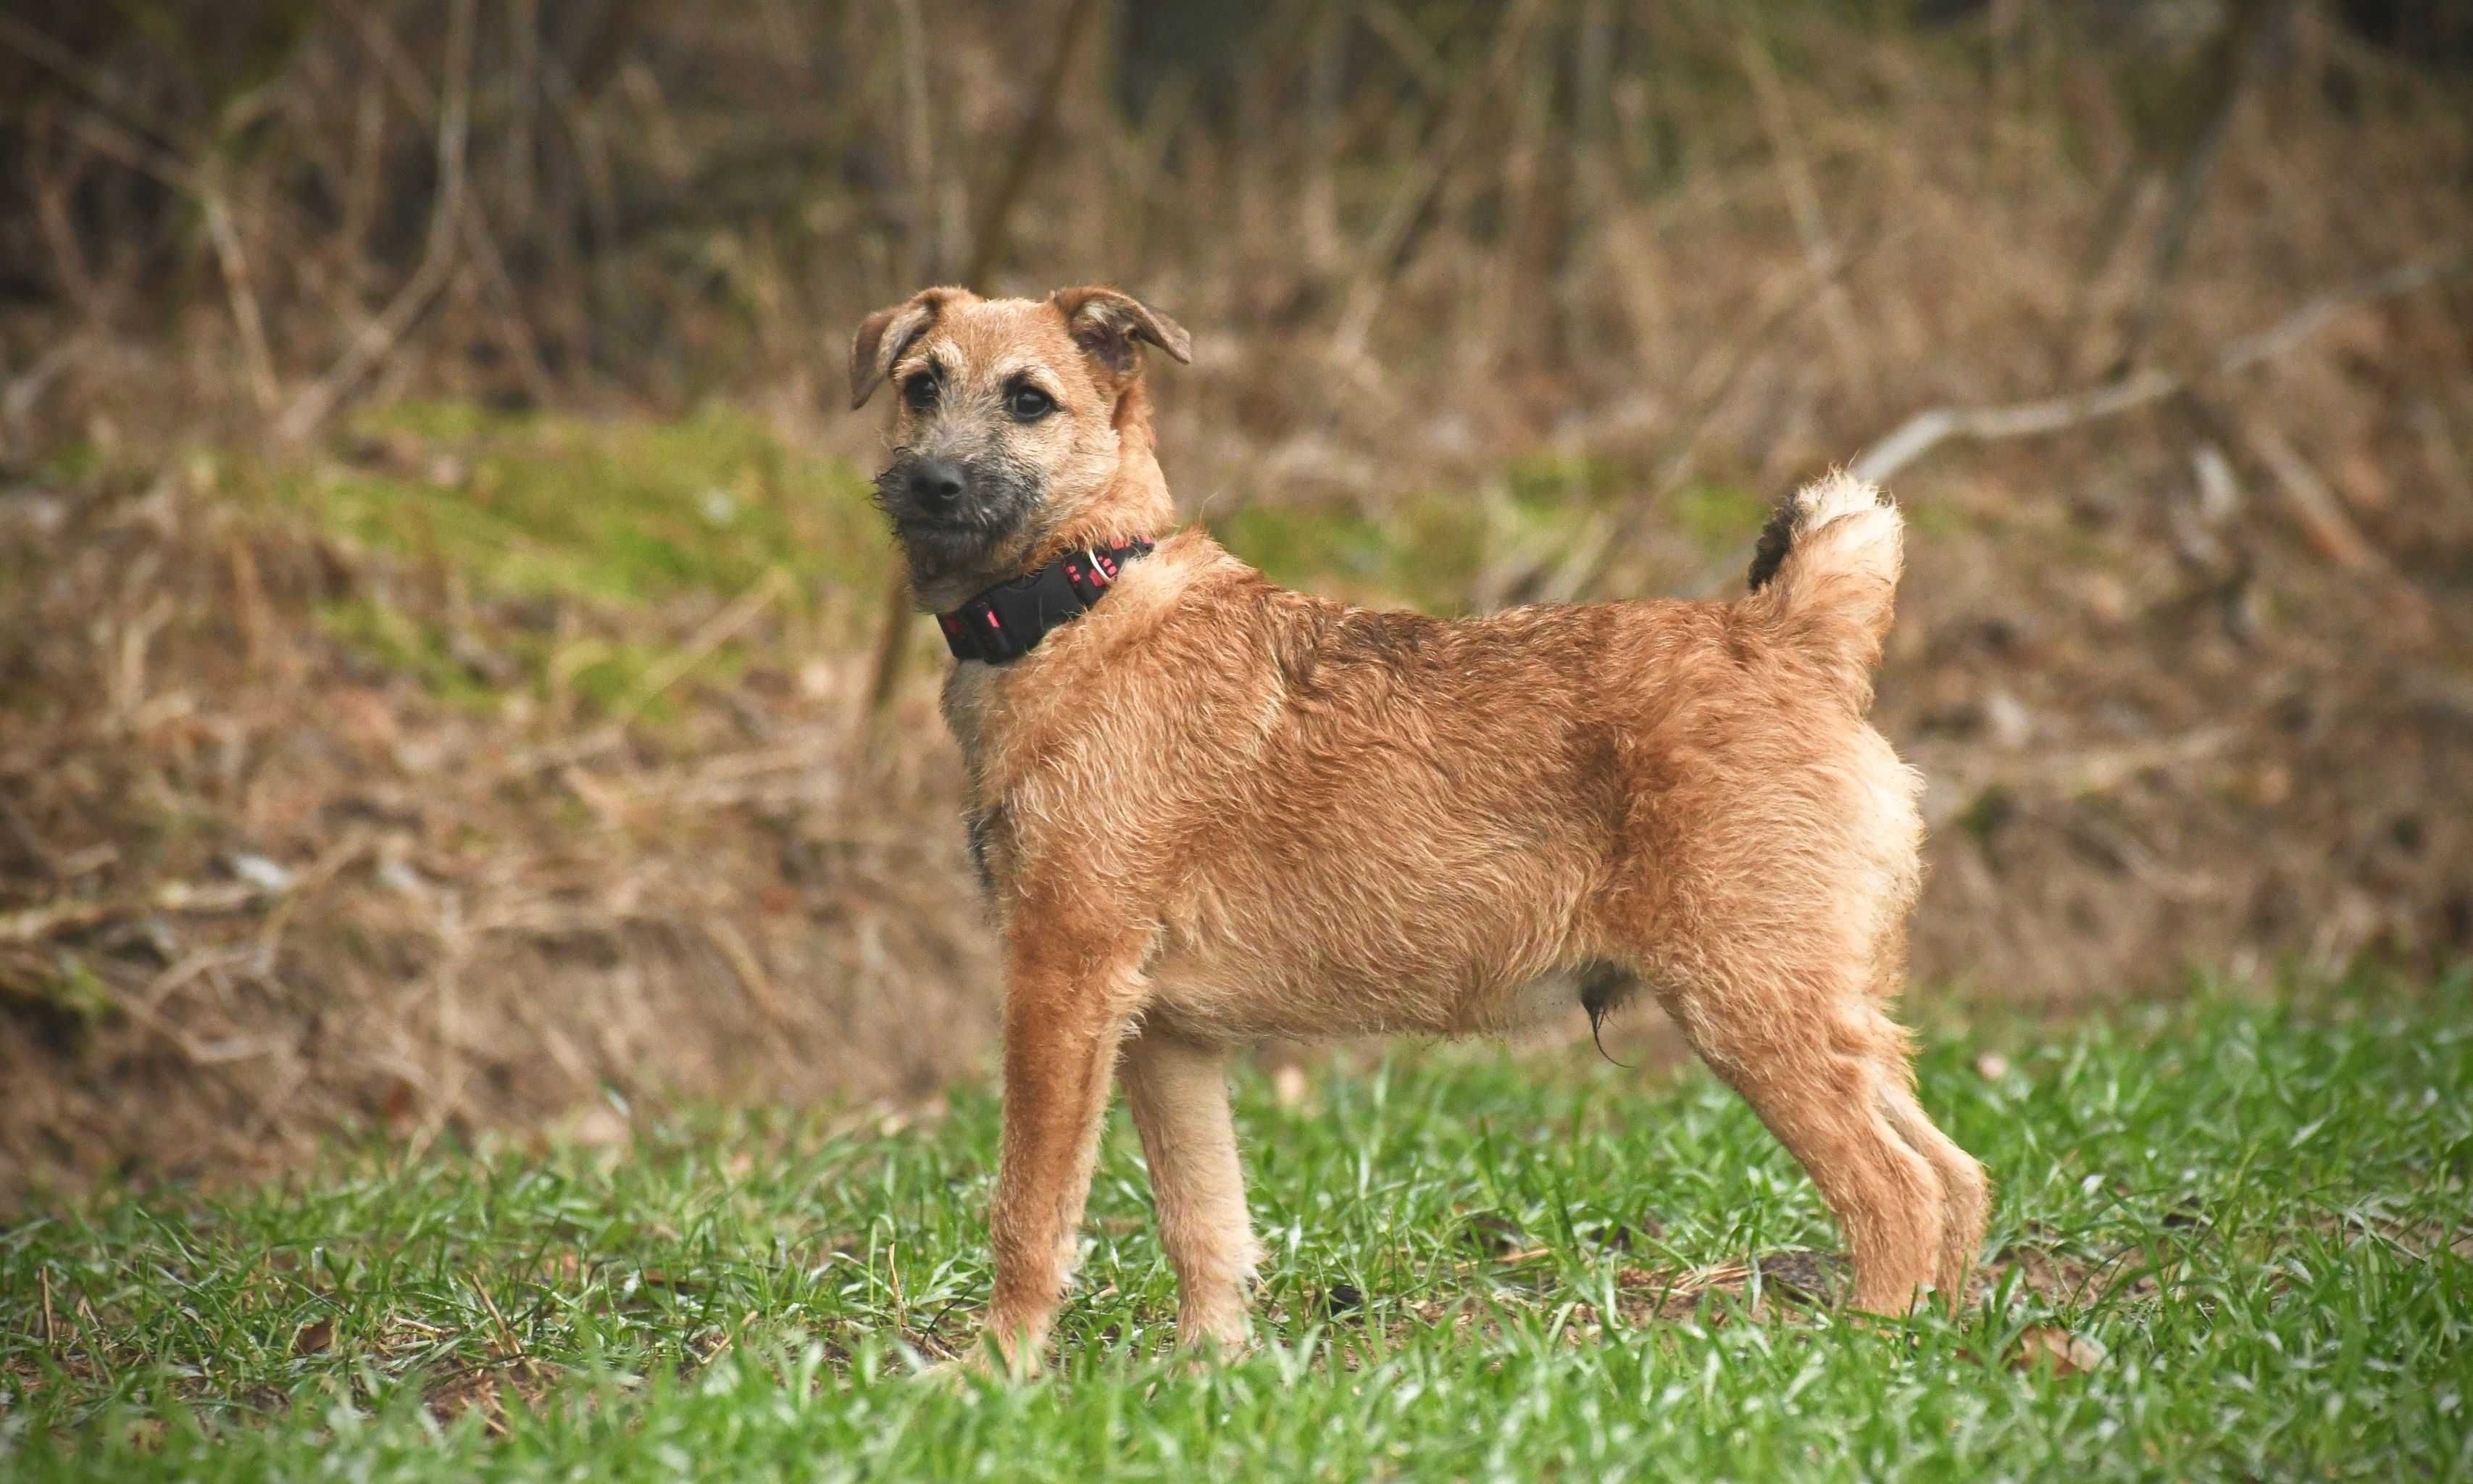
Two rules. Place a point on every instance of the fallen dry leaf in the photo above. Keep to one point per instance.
(2069, 1353)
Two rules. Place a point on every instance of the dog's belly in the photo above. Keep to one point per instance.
(1300, 984)
(1323, 926)
(1238, 1007)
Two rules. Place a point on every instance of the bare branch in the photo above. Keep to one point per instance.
(438, 257)
(1719, 370)
(989, 235)
(1803, 203)
(1925, 431)
(2254, 30)
(929, 252)
(1461, 109)
(2321, 512)
(233, 261)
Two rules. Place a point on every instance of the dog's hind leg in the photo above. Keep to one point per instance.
(1178, 1093)
(1813, 1066)
(1966, 1192)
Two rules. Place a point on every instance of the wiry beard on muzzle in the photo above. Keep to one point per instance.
(978, 536)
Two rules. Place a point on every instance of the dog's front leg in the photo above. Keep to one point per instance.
(1066, 1009)
(1178, 1092)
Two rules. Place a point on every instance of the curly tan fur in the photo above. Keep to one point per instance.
(1212, 810)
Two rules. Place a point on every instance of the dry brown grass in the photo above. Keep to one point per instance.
(256, 886)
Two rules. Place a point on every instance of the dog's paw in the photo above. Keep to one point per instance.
(1212, 1340)
(984, 1360)
(959, 1373)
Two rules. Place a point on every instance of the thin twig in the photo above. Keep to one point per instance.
(523, 37)
(34, 924)
(2112, 224)
(1803, 203)
(246, 317)
(506, 1332)
(1584, 566)
(396, 64)
(516, 325)
(892, 642)
(2065, 776)
(734, 948)
(1362, 304)
(1318, 200)
(20, 393)
(133, 150)
(2321, 512)
(2253, 30)
(1407, 44)
(330, 863)
(438, 258)
(718, 630)
(900, 1302)
(130, 148)
(68, 254)
(36, 850)
(918, 141)
(96, 84)
(1925, 431)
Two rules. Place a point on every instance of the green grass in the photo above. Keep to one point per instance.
(1428, 553)
(520, 513)
(390, 638)
(2258, 1213)
(625, 512)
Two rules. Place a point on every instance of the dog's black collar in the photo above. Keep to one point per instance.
(1008, 620)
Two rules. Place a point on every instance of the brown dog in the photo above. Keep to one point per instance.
(1209, 810)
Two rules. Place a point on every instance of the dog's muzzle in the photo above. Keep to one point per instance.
(935, 485)
(954, 516)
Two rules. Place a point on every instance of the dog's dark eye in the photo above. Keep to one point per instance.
(920, 391)
(1029, 404)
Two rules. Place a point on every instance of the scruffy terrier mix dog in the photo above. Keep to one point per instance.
(1208, 811)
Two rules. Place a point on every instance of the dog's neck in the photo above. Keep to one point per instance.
(1134, 505)
(1067, 573)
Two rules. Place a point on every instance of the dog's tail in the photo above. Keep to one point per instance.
(1825, 578)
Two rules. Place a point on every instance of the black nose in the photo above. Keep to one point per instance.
(935, 482)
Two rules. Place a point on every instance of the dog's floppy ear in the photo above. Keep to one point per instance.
(886, 334)
(1105, 323)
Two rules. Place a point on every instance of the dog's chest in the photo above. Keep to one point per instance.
(991, 840)
(969, 693)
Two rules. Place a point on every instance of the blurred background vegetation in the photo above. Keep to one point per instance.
(444, 678)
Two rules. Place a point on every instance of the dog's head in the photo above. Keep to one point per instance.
(1019, 429)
